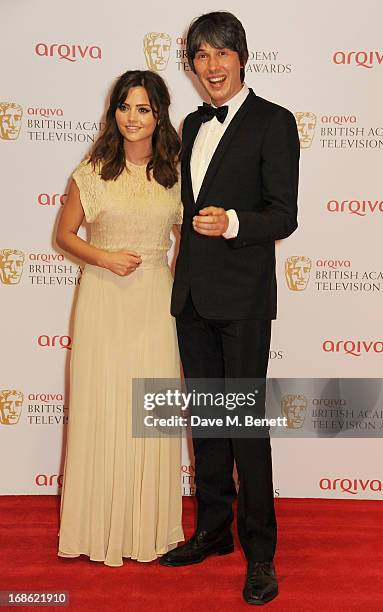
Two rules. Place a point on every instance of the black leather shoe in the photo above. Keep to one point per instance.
(261, 583)
(198, 548)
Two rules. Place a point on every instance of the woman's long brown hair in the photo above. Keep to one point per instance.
(108, 150)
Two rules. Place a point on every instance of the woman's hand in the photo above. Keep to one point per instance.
(122, 263)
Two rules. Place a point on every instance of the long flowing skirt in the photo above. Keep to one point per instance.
(121, 495)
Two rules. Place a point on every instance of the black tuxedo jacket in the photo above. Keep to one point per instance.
(255, 171)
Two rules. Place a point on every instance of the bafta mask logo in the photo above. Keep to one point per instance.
(10, 120)
(157, 50)
(294, 409)
(306, 123)
(11, 402)
(11, 266)
(297, 272)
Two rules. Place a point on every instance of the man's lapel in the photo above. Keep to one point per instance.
(187, 157)
(222, 147)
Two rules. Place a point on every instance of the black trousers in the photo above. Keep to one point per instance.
(213, 348)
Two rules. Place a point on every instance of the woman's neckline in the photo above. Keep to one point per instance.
(135, 165)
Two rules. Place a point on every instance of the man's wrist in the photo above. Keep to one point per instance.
(233, 227)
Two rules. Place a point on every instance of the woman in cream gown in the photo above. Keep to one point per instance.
(121, 495)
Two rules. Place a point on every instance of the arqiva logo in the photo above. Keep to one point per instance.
(51, 199)
(70, 52)
(46, 257)
(353, 347)
(365, 59)
(351, 485)
(64, 342)
(45, 112)
(49, 480)
(338, 119)
(361, 208)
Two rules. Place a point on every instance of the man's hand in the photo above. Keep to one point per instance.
(211, 221)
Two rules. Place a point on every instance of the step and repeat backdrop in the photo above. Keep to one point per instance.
(324, 62)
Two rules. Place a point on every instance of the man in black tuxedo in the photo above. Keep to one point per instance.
(239, 190)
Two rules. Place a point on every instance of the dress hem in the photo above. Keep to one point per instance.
(65, 555)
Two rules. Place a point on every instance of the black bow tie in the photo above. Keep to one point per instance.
(207, 112)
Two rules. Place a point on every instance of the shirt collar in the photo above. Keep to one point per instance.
(236, 101)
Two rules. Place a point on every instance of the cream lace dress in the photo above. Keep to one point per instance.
(121, 496)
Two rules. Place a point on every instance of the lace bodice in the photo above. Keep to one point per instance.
(130, 213)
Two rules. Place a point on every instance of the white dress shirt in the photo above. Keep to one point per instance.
(205, 144)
